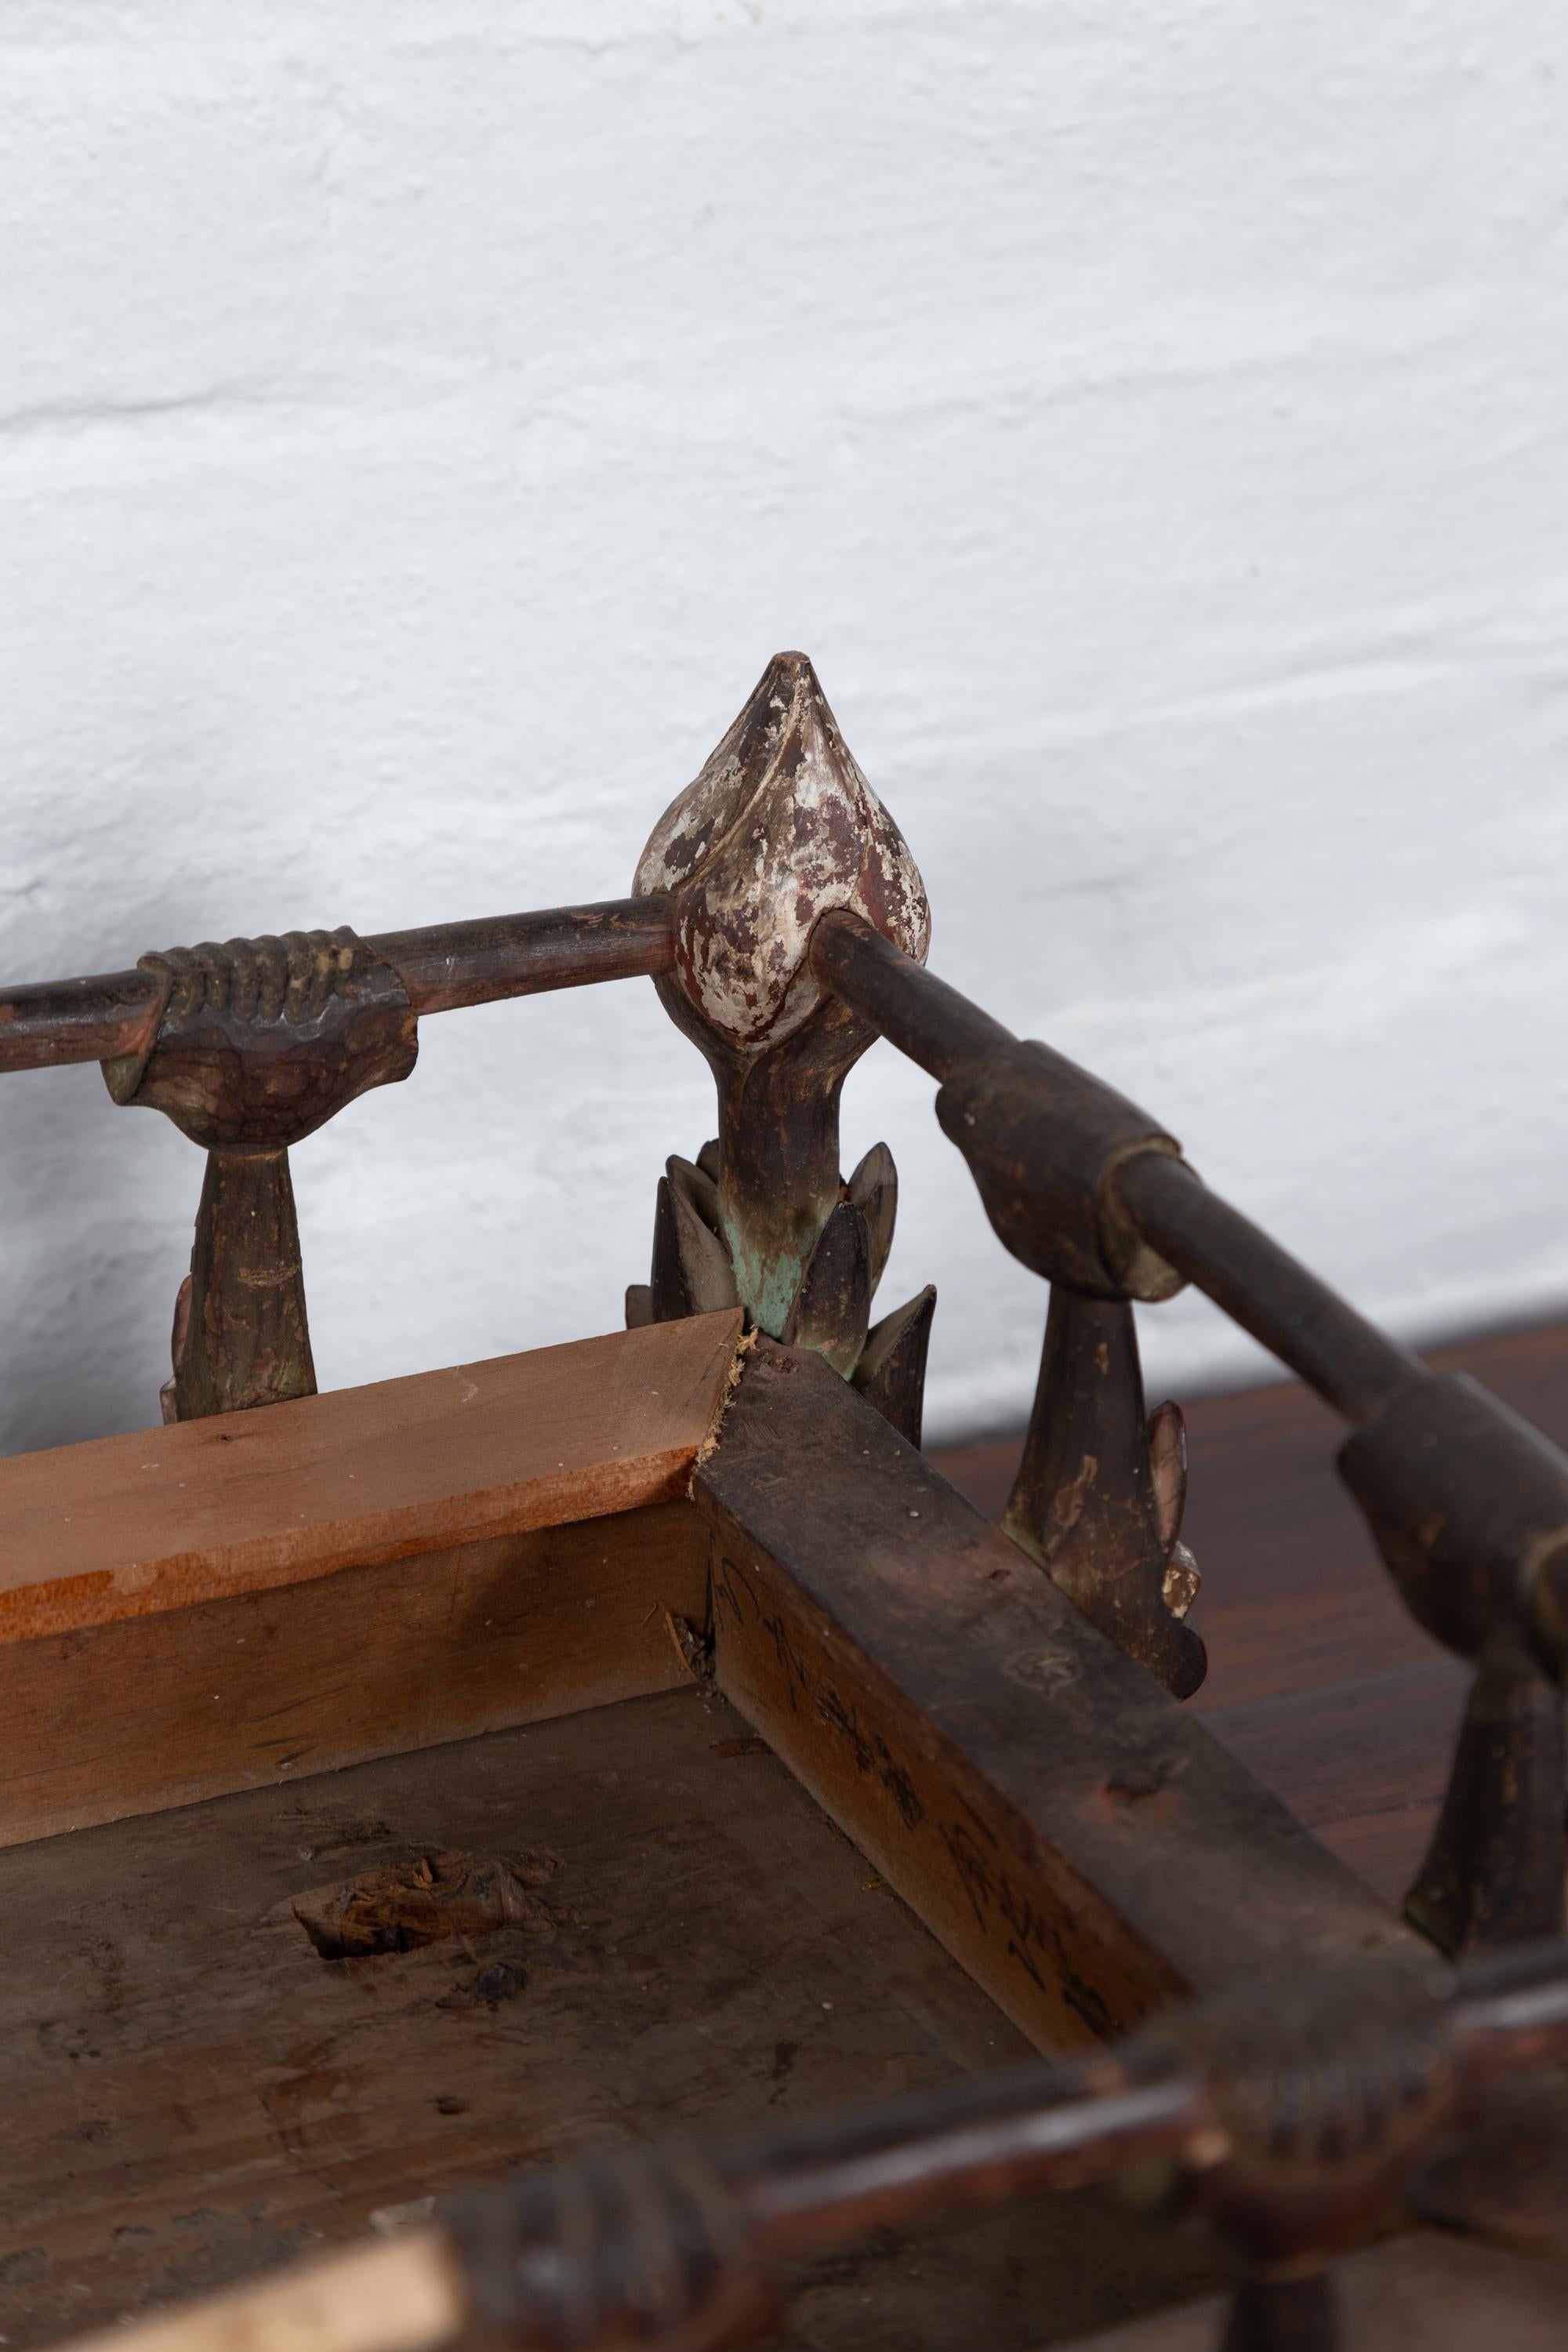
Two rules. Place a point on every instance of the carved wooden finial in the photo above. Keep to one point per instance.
(779, 828)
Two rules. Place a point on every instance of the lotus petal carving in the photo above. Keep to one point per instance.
(778, 828)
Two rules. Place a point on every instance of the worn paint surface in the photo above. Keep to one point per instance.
(779, 828)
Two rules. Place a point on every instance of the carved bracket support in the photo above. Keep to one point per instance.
(1100, 1493)
(1493, 1871)
(257, 1044)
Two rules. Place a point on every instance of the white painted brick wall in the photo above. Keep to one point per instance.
(419, 422)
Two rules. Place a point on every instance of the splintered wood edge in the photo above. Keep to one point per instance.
(743, 1347)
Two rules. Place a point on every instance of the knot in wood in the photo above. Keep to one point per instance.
(780, 827)
(645, 2246)
(258, 1041)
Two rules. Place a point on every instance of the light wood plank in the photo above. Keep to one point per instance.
(124, 1526)
(269, 1687)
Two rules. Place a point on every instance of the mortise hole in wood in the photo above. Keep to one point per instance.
(427, 1897)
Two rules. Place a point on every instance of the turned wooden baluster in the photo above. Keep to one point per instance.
(780, 826)
(254, 1045)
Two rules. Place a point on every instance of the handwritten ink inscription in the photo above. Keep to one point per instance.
(736, 1603)
(872, 1754)
(1022, 1923)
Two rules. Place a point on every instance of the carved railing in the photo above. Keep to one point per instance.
(782, 920)
(1468, 1505)
(250, 1046)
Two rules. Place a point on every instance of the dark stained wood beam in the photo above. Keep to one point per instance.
(1077, 1839)
(255, 1598)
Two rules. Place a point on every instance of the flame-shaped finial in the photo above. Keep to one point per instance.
(779, 828)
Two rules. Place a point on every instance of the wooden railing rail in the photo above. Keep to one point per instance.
(441, 966)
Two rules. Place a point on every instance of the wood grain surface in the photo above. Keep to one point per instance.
(147, 1712)
(192, 2096)
(124, 1526)
(1068, 1830)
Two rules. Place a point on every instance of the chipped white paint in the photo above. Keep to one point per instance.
(780, 827)
(419, 424)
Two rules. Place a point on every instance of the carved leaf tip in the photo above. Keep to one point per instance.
(779, 828)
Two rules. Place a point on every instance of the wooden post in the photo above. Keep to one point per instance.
(779, 826)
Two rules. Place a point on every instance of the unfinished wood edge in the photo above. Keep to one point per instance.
(746, 1339)
(634, 1408)
(404, 2293)
(201, 1429)
(105, 1597)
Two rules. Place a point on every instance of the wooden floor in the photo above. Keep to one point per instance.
(1317, 1679)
